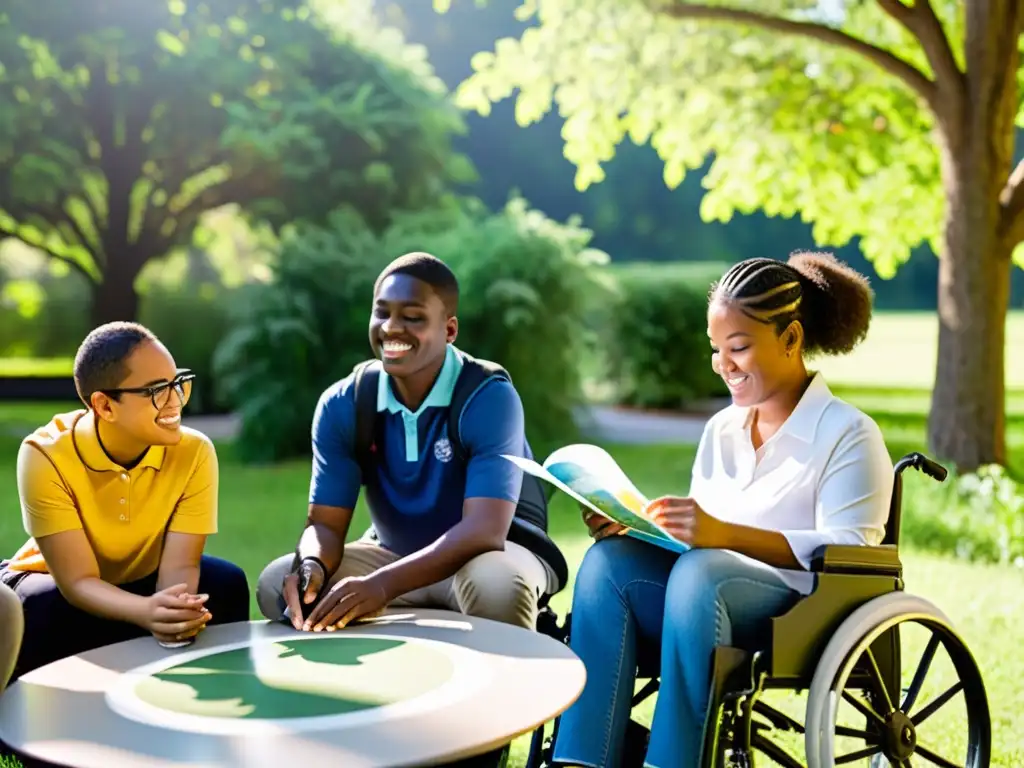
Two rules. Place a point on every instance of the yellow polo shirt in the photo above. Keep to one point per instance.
(66, 482)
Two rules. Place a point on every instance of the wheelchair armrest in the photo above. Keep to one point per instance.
(856, 560)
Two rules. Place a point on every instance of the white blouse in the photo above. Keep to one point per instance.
(824, 478)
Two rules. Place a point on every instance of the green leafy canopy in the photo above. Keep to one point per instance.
(795, 125)
(122, 123)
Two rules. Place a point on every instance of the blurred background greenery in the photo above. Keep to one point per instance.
(235, 173)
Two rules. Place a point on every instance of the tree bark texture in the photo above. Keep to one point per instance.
(967, 423)
(974, 110)
(115, 297)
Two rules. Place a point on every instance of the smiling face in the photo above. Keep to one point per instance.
(409, 326)
(755, 361)
(146, 418)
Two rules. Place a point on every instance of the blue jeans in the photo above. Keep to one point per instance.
(635, 602)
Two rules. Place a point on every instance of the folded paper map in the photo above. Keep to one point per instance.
(593, 478)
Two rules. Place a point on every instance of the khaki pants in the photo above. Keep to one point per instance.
(503, 586)
(12, 625)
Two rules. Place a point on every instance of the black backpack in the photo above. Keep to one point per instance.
(529, 527)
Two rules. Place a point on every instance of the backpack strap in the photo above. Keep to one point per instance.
(367, 376)
(475, 373)
(530, 524)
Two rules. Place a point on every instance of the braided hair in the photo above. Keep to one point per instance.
(832, 301)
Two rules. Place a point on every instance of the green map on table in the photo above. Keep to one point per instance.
(592, 477)
(301, 677)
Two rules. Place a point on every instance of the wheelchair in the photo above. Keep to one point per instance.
(841, 643)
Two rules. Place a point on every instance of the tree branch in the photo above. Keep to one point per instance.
(889, 62)
(69, 220)
(5, 232)
(239, 188)
(920, 20)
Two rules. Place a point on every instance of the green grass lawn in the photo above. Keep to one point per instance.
(34, 366)
(901, 347)
(262, 510)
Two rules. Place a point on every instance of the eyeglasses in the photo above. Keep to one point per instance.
(160, 394)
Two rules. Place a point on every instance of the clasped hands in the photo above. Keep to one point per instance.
(352, 598)
(174, 614)
(681, 517)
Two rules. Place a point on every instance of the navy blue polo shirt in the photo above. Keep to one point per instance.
(416, 491)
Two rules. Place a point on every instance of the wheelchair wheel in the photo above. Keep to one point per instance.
(879, 639)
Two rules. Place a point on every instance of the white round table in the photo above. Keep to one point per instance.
(412, 687)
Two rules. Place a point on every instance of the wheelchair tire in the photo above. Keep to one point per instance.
(854, 636)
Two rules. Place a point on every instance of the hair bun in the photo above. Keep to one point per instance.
(837, 302)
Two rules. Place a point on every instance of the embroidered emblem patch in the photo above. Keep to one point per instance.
(443, 450)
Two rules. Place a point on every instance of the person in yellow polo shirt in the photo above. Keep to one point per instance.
(118, 499)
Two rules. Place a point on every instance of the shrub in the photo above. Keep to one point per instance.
(524, 282)
(190, 319)
(292, 336)
(977, 516)
(45, 313)
(527, 284)
(657, 353)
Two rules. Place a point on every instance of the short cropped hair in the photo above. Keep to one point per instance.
(432, 271)
(102, 358)
(832, 301)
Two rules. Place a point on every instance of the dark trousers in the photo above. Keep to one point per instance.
(55, 629)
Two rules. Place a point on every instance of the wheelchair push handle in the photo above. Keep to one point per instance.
(922, 463)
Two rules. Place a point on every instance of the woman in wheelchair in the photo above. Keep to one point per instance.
(785, 469)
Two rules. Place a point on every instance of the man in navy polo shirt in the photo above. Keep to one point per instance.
(439, 527)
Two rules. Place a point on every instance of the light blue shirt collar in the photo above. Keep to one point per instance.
(440, 395)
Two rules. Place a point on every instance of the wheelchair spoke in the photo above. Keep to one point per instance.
(859, 755)
(863, 708)
(773, 751)
(864, 664)
(876, 675)
(779, 720)
(922, 670)
(853, 733)
(933, 758)
(936, 704)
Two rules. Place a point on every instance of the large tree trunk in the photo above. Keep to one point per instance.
(967, 422)
(115, 298)
(966, 426)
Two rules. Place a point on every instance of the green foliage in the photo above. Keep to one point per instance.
(977, 516)
(657, 353)
(190, 320)
(122, 125)
(794, 125)
(292, 336)
(43, 312)
(524, 281)
(187, 310)
(527, 286)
